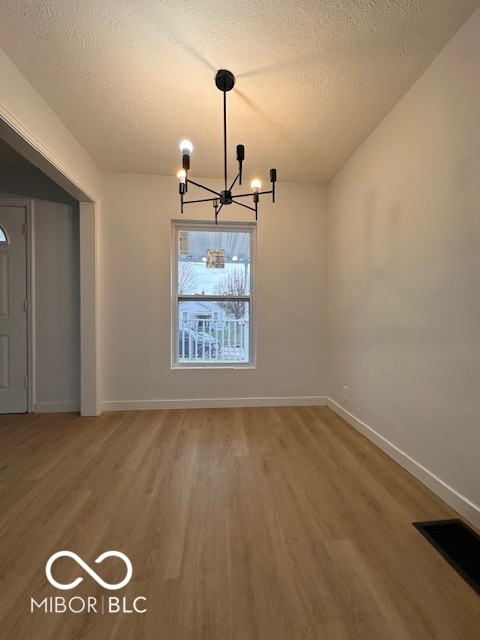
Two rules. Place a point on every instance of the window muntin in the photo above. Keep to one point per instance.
(212, 294)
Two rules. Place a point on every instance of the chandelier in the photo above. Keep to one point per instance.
(224, 81)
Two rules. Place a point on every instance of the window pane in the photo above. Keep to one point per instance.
(212, 331)
(212, 262)
(3, 236)
(212, 292)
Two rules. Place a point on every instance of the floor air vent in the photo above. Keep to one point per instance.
(458, 544)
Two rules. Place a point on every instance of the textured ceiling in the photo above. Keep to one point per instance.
(131, 78)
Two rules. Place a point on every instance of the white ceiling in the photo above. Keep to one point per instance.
(131, 78)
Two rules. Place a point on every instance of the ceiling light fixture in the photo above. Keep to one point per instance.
(224, 81)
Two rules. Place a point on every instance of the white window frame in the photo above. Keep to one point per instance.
(176, 298)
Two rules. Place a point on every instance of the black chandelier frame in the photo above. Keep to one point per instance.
(224, 81)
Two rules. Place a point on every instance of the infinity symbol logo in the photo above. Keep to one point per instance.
(95, 576)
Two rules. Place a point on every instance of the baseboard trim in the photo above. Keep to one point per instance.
(460, 503)
(213, 403)
(56, 407)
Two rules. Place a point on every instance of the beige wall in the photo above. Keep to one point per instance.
(290, 299)
(404, 277)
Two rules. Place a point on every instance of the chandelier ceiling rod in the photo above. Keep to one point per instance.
(225, 139)
(224, 81)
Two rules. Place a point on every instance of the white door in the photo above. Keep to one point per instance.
(13, 306)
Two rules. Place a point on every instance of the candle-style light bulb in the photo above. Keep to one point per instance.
(256, 184)
(186, 147)
(182, 183)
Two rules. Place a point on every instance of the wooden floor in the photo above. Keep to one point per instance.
(241, 524)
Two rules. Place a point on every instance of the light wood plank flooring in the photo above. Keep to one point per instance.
(241, 524)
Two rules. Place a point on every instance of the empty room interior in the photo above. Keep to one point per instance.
(239, 320)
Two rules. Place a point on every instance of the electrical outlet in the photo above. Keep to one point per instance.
(345, 393)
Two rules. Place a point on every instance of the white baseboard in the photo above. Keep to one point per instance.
(463, 505)
(56, 407)
(213, 403)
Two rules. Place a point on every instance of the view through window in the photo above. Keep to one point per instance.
(213, 302)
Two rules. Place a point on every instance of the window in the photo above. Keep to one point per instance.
(3, 236)
(213, 305)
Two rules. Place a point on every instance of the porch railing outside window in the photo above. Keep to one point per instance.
(204, 341)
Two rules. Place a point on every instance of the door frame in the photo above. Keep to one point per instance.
(21, 138)
(30, 276)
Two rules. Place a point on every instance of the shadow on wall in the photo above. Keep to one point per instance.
(20, 178)
(31, 183)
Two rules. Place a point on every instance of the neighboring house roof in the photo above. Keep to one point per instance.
(192, 306)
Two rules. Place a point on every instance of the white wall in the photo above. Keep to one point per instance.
(291, 300)
(57, 307)
(404, 278)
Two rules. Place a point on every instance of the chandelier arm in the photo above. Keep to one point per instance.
(217, 211)
(246, 195)
(240, 204)
(234, 182)
(205, 188)
(201, 200)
